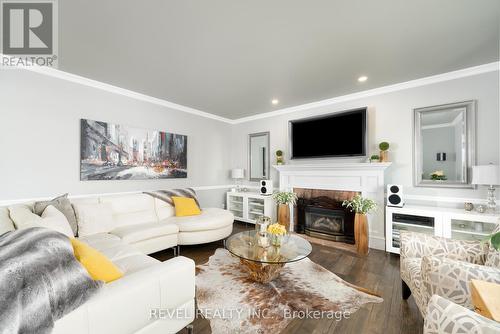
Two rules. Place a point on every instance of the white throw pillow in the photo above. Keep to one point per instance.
(94, 218)
(23, 217)
(56, 220)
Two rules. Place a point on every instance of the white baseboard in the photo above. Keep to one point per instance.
(377, 243)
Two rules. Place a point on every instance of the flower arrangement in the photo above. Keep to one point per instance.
(374, 158)
(360, 205)
(285, 197)
(276, 229)
(277, 232)
(438, 175)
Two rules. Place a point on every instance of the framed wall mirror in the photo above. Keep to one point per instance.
(444, 145)
(258, 156)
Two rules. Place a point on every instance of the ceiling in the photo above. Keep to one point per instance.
(231, 58)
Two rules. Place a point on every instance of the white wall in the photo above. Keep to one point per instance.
(39, 134)
(40, 138)
(390, 119)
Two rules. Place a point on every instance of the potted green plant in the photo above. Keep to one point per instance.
(374, 158)
(383, 146)
(361, 206)
(284, 200)
(438, 175)
(494, 240)
(279, 157)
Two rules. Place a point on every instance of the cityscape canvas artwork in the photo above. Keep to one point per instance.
(119, 152)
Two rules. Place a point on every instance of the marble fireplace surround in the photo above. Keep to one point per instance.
(365, 178)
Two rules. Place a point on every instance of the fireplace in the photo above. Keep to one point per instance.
(323, 216)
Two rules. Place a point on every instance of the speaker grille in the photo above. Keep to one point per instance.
(394, 199)
(394, 189)
(263, 190)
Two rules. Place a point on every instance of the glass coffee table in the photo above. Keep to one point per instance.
(265, 263)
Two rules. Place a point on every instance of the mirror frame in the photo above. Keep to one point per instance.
(470, 133)
(268, 170)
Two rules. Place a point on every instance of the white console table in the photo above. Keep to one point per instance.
(443, 222)
(248, 206)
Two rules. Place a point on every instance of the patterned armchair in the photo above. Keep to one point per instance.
(438, 266)
(444, 316)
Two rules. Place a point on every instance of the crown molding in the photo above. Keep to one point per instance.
(485, 68)
(466, 72)
(52, 72)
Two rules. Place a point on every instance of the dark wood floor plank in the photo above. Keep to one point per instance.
(378, 271)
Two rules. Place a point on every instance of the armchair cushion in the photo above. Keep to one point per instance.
(434, 265)
(444, 316)
(419, 245)
(450, 278)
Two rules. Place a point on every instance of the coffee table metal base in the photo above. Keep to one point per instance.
(262, 272)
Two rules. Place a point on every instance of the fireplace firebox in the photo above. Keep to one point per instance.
(325, 218)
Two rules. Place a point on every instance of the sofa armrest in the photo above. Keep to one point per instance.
(451, 278)
(444, 316)
(418, 245)
(128, 304)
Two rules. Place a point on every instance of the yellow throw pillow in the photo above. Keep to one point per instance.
(185, 206)
(97, 265)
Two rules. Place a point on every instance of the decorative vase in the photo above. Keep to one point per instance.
(361, 233)
(276, 239)
(284, 215)
(384, 156)
(279, 160)
(261, 225)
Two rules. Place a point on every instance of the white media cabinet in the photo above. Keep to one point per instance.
(248, 206)
(439, 221)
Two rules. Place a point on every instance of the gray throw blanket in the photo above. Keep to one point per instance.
(166, 195)
(40, 280)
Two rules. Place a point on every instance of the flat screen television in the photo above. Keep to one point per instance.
(341, 134)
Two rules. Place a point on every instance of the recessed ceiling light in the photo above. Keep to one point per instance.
(362, 78)
(275, 101)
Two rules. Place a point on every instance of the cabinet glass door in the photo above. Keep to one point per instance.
(255, 208)
(235, 205)
(470, 230)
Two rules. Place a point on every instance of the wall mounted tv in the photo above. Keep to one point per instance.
(341, 134)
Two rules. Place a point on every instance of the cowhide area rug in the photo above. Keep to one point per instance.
(235, 304)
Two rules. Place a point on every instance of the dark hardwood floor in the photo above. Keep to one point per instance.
(379, 272)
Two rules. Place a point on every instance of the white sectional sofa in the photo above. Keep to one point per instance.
(125, 228)
(150, 224)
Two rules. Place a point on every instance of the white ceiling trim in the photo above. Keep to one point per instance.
(470, 71)
(491, 67)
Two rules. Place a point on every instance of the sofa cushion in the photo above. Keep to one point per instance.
(62, 204)
(163, 209)
(94, 218)
(132, 209)
(23, 217)
(185, 206)
(134, 263)
(101, 241)
(98, 265)
(209, 219)
(57, 221)
(139, 232)
(6, 224)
